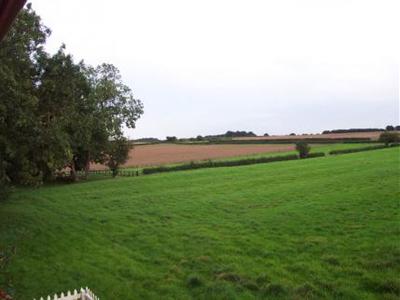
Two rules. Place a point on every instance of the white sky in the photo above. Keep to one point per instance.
(205, 67)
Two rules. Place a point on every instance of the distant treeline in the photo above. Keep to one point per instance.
(231, 134)
(149, 140)
(389, 128)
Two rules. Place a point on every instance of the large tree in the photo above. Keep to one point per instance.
(55, 113)
(19, 78)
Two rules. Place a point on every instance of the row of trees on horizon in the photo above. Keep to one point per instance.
(232, 134)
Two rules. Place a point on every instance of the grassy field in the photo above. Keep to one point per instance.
(319, 228)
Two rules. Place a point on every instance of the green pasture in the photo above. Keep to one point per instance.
(322, 228)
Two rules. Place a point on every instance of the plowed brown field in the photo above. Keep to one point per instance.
(159, 154)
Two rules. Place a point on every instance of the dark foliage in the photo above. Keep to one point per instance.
(353, 150)
(303, 148)
(149, 140)
(352, 130)
(389, 137)
(117, 154)
(231, 134)
(390, 128)
(55, 113)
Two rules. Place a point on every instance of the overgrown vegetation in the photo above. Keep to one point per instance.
(303, 149)
(55, 113)
(389, 137)
(307, 229)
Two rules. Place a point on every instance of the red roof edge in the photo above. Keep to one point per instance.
(8, 12)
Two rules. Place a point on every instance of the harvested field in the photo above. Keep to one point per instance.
(374, 135)
(159, 154)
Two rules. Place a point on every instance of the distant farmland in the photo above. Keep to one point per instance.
(165, 154)
(374, 135)
(160, 154)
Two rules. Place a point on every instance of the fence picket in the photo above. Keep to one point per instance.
(83, 294)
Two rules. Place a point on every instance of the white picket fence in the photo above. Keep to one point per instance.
(83, 294)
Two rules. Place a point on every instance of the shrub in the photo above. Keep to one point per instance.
(303, 148)
(388, 137)
(171, 139)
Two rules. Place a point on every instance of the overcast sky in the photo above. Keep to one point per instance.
(205, 67)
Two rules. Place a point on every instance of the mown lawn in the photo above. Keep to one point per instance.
(319, 228)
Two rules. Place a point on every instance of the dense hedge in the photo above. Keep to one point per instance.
(315, 154)
(231, 163)
(344, 151)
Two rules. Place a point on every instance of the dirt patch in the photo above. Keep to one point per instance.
(160, 154)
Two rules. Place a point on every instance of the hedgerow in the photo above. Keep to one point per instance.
(231, 163)
(353, 150)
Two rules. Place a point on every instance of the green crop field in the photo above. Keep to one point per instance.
(318, 228)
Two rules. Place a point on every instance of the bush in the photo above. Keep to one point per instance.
(353, 150)
(388, 137)
(303, 148)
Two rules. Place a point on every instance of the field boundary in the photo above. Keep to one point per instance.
(354, 150)
(234, 163)
(231, 163)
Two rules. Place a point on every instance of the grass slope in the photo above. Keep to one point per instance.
(318, 228)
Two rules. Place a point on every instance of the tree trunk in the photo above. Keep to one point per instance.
(87, 165)
(73, 172)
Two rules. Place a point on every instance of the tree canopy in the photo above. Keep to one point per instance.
(54, 112)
